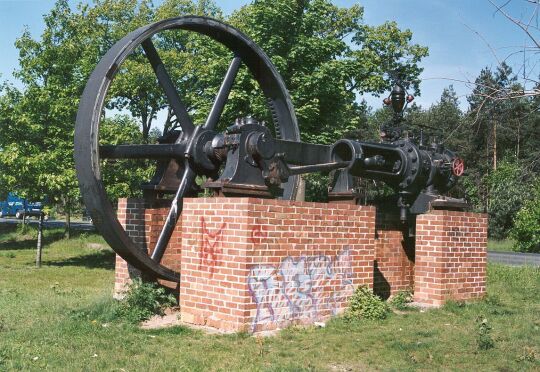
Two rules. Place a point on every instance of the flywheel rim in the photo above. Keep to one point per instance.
(92, 102)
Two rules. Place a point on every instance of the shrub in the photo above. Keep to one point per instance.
(401, 300)
(526, 230)
(144, 300)
(483, 337)
(364, 304)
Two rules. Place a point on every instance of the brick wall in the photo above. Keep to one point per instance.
(251, 264)
(450, 257)
(394, 254)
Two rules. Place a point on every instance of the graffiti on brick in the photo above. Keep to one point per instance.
(306, 287)
(210, 247)
(257, 234)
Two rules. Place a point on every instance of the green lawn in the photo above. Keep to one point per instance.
(60, 318)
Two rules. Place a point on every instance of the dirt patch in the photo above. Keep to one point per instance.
(172, 319)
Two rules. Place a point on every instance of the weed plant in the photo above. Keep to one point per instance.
(143, 300)
(366, 305)
(483, 337)
(401, 300)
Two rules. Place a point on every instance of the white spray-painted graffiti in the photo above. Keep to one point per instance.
(301, 287)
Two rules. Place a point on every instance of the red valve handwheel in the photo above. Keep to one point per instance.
(458, 166)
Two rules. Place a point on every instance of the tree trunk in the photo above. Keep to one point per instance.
(39, 241)
(145, 128)
(145, 133)
(67, 232)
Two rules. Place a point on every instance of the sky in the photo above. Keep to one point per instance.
(463, 36)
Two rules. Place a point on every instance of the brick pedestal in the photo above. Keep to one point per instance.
(451, 257)
(252, 264)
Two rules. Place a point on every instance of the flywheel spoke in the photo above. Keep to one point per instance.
(166, 83)
(223, 94)
(153, 151)
(174, 159)
(172, 217)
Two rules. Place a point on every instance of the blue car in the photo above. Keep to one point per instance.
(19, 207)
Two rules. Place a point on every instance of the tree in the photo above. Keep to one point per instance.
(508, 188)
(36, 124)
(327, 58)
(123, 177)
(324, 71)
(325, 53)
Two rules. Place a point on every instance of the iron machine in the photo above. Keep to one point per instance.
(249, 157)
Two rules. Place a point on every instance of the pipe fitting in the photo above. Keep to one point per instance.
(346, 150)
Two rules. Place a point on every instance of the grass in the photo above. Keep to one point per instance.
(61, 317)
(504, 245)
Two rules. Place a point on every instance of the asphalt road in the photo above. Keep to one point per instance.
(514, 258)
(85, 226)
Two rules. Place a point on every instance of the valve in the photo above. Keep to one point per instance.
(458, 167)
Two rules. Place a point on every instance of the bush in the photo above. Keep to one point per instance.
(401, 300)
(144, 300)
(364, 304)
(526, 230)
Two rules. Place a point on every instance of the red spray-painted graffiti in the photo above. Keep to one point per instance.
(210, 249)
(257, 234)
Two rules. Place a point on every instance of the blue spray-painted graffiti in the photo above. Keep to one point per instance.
(300, 288)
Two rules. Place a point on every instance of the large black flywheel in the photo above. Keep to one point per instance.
(89, 154)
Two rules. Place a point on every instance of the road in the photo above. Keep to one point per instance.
(514, 258)
(84, 226)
